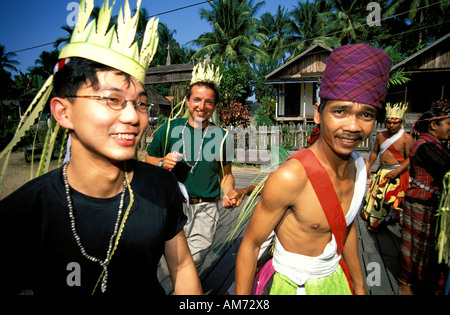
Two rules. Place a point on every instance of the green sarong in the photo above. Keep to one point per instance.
(334, 284)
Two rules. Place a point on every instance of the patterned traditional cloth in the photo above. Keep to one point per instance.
(356, 73)
(290, 273)
(419, 257)
(429, 162)
(314, 135)
(385, 196)
(421, 176)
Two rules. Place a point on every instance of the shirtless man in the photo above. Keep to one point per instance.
(312, 199)
(387, 189)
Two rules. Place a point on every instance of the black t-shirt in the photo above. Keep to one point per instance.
(39, 251)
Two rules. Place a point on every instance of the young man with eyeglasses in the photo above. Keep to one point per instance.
(106, 114)
(100, 223)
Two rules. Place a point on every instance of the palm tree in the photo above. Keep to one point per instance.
(346, 20)
(234, 32)
(276, 28)
(45, 64)
(308, 25)
(166, 43)
(65, 39)
(416, 7)
(6, 63)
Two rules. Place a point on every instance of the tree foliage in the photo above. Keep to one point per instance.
(234, 32)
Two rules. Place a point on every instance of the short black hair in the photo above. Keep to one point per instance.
(322, 105)
(209, 85)
(79, 71)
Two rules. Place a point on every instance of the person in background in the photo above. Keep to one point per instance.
(387, 190)
(199, 153)
(419, 269)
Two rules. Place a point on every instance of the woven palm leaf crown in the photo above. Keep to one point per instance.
(206, 73)
(395, 112)
(115, 47)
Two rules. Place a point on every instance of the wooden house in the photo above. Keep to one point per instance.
(429, 71)
(297, 83)
(170, 74)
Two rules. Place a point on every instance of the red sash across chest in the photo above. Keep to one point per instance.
(331, 205)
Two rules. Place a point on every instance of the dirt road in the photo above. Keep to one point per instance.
(18, 172)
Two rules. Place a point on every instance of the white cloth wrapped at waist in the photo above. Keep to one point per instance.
(300, 268)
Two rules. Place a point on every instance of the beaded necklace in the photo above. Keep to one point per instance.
(199, 151)
(103, 263)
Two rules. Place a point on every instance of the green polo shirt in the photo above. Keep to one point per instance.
(204, 180)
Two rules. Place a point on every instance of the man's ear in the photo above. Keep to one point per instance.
(433, 126)
(316, 114)
(59, 107)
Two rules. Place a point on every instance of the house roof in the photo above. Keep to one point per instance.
(421, 52)
(169, 74)
(296, 59)
(155, 97)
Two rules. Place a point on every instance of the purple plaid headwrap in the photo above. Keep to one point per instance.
(356, 73)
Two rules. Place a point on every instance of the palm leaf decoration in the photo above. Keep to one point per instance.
(279, 155)
(443, 226)
(31, 114)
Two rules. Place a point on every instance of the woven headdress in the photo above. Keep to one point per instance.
(395, 112)
(206, 73)
(202, 72)
(115, 47)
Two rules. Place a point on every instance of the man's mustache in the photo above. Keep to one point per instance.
(351, 136)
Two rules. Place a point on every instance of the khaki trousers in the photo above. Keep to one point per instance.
(200, 229)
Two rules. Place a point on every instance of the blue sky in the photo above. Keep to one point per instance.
(29, 23)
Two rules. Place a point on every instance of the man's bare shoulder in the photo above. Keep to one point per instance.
(284, 186)
(290, 176)
(382, 135)
(407, 137)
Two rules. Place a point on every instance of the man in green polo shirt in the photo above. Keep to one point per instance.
(199, 154)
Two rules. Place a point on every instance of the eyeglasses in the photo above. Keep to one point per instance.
(118, 101)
